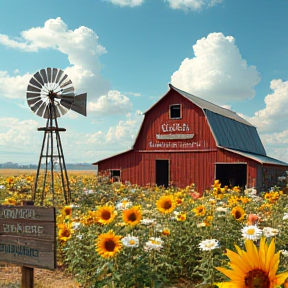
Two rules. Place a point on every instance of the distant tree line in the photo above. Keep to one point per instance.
(73, 166)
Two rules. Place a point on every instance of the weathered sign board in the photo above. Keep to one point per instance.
(28, 236)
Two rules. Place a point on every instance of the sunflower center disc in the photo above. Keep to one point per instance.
(257, 279)
(167, 205)
(106, 215)
(66, 233)
(238, 215)
(110, 245)
(132, 217)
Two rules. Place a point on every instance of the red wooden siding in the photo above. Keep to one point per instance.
(157, 121)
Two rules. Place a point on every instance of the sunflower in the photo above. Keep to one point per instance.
(181, 216)
(132, 216)
(166, 232)
(105, 214)
(89, 219)
(108, 244)
(64, 233)
(238, 213)
(166, 204)
(9, 201)
(67, 211)
(199, 211)
(253, 268)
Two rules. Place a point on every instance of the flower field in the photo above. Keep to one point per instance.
(123, 235)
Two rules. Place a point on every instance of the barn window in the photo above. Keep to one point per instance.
(115, 175)
(175, 111)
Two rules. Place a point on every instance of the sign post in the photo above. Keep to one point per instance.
(28, 239)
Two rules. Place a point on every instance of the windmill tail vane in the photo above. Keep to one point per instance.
(50, 95)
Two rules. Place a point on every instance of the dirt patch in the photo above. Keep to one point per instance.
(10, 277)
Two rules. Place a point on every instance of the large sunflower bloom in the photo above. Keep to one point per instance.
(132, 216)
(64, 233)
(105, 214)
(166, 204)
(253, 268)
(67, 211)
(108, 244)
(238, 213)
(199, 210)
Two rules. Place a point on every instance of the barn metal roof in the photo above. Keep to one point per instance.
(229, 129)
(259, 158)
(233, 134)
(206, 105)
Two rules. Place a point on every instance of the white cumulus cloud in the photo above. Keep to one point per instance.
(81, 46)
(112, 103)
(192, 5)
(129, 3)
(275, 114)
(217, 73)
(15, 133)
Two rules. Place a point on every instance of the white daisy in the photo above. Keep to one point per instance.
(285, 216)
(130, 241)
(284, 253)
(251, 232)
(123, 205)
(75, 225)
(147, 221)
(208, 244)
(221, 209)
(154, 243)
(270, 232)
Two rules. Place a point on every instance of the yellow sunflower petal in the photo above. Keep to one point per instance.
(274, 265)
(230, 274)
(280, 278)
(225, 285)
(269, 255)
(262, 253)
(235, 259)
(253, 253)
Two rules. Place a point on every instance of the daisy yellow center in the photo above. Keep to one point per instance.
(167, 205)
(251, 231)
(257, 279)
(155, 242)
(106, 215)
(110, 245)
(132, 242)
(132, 217)
(210, 245)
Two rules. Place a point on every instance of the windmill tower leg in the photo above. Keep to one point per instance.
(51, 134)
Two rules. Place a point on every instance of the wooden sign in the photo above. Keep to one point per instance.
(28, 236)
(27, 252)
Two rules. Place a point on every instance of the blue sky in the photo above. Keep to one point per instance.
(124, 53)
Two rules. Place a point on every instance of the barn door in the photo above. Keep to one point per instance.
(162, 172)
(232, 174)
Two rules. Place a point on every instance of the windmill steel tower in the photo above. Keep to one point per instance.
(50, 94)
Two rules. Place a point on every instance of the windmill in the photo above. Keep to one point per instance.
(50, 94)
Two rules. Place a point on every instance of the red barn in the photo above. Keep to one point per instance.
(184, 139)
